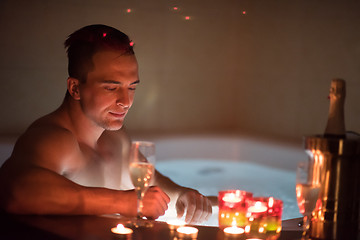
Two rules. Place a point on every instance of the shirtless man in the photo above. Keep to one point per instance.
(71, 161)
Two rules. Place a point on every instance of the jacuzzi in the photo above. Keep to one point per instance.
(210, 163)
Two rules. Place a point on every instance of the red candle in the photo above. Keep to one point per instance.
(233, 207)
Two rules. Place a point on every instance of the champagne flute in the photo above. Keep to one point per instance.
(141, 167)
(307, 190)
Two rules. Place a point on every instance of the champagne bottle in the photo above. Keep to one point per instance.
(335, 126)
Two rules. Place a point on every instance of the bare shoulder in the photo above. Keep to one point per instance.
(48, 146)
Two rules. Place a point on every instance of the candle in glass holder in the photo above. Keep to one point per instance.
(264, 214)
(122, 232)
(233, 231)
(233, 208)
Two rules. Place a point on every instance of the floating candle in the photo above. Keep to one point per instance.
(187, 232)
(121, 230)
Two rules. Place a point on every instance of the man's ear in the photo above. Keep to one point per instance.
(73, 87)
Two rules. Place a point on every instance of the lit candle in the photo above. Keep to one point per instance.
(264, 215)
(231, 198)
(122, 231)
(233, 205)
(233, 231)
(257, 208)
(175, 223)
(187, 232)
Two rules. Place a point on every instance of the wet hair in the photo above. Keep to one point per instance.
(85, 42)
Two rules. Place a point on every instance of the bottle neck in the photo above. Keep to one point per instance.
(336, 124)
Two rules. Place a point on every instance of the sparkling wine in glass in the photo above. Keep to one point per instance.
(142, 170)
(307, 190)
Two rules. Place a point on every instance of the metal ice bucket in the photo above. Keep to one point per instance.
(336, 215)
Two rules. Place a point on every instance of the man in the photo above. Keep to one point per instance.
(73, 160)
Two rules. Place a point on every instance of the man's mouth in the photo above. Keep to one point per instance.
(118, 114)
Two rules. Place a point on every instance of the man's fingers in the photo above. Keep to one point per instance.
(207, 209)
(198, 207)
(180, 209)
(192, 206)
(203, 210)
(155, 202)
(162, 197)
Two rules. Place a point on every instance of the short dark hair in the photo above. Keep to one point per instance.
(85, 42)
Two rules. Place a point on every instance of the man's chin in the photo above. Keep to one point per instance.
(113, 126)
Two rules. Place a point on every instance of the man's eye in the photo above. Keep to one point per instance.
(110, 88)
(132, 88)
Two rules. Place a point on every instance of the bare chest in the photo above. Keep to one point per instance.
(98, 170)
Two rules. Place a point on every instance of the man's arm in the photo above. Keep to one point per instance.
(31, 182)
(198, 207)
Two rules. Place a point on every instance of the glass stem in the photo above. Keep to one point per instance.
(140, 205)
(306, 225)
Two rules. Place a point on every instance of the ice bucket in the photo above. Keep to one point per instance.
(336, 215)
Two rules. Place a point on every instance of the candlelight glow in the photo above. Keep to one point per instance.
(175, 223)
(231, 198)
(120, 229)
(234, 230)
(187, 232)
(257, 208)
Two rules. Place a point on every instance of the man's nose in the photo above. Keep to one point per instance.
(123, 98)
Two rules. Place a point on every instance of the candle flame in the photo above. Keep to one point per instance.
(120, 227)
(271, 202)
(233, 222)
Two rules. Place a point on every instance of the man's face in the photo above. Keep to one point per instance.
(109, 90)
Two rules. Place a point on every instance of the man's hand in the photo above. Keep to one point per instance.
(198, 207)
(155, 203)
